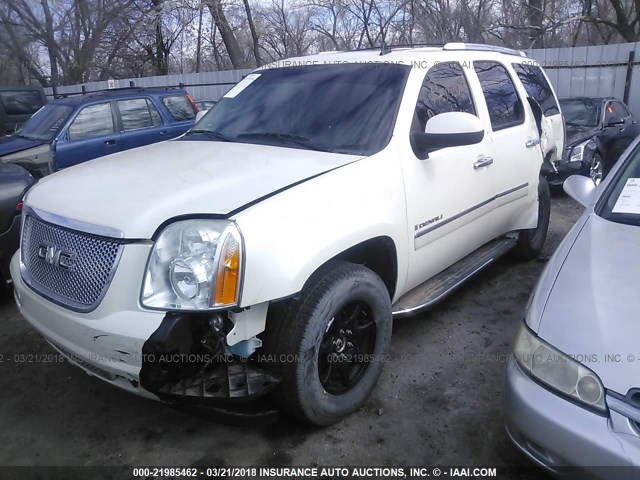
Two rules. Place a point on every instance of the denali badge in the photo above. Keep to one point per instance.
(57, 257)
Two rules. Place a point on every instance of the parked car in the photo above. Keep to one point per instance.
(598, 131)
(205, 104)
(572, 397)
(17, 104)
(75, 129)
(311, 205)
(14, 182)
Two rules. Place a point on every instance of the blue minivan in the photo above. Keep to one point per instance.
(72, 130)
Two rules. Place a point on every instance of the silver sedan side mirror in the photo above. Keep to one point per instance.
(581, 189)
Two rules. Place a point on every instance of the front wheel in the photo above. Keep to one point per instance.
(330, 343)
(530, 241)
(596, 169)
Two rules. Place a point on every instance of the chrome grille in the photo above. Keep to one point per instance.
(67, 266)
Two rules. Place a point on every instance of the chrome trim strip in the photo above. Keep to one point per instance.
(72, 224)
(431, 228)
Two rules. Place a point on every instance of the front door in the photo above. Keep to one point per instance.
(446, 193)
(92, 134)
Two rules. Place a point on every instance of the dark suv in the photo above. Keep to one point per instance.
(17, 104)
(75, 129)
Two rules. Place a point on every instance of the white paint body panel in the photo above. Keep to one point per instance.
(296, 209)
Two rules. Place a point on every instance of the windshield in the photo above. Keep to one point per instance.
(581, 113)
(622, 204)
(46, 122)
(335, 108)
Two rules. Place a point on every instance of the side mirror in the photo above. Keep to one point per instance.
(614, 122)
(451, 129)
(200, 114)
(580, 188)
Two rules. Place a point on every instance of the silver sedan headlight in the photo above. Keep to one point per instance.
(194, 265)
(557, 370)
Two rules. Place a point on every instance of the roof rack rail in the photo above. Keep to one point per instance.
(398, 45)
(483, 48)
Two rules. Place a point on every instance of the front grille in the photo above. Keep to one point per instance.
(69, 267)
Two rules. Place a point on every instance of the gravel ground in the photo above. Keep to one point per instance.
(438, 401)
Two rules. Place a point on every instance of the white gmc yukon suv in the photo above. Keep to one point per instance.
(266, 251)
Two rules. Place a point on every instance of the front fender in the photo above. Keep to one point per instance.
(289, 236)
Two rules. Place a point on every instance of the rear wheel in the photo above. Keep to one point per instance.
(530, 241)
(329, 345)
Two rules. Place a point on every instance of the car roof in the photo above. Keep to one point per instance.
(118, 93)
(595, 99)
(407, 55)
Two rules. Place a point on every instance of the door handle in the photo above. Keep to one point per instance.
(532, 142)
(483, 162)
(164, 132)
(110, 142)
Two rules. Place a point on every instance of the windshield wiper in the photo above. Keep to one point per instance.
(286, 137)
(211, 134)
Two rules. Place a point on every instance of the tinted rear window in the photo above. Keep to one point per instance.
(505, 108)
(179, 107)
(21, 102)
(537, 87)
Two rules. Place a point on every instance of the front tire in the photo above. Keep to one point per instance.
(530, 241)
(329, 344)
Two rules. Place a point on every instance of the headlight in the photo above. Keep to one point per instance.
(557, 370)
(194, 265)
(578, 151)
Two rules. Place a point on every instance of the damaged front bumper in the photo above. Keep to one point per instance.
(162, 356)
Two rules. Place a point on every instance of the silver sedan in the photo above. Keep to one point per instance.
(573, 382)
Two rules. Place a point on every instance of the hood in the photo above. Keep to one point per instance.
(577, 134)
(137, 190)
(15, 144)
(592, 310)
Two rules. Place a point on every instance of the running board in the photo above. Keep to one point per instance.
(438, 287)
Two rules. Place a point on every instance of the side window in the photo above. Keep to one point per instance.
(444, 89)
(622, 110)
(179, 107)
(92, 121)
(611, 110)
(505, 107)
(138, 113)
(537, 87)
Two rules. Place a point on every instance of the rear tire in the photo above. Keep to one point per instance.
(531, 241)
(329, 344)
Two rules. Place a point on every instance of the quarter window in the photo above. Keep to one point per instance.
(505, 107)
(444, 89)
(179, 107)
(537, 87)
(92, 121)
(138, 113)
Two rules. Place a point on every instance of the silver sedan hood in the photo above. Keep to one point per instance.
(591, 312)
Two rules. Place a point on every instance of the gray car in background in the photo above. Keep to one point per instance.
(573, 383)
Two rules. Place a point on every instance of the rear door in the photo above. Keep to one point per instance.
(91, 134)
(140, 123)
(516, 144)
(449, 193)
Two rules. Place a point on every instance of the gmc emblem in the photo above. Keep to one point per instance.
(57, 257)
